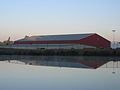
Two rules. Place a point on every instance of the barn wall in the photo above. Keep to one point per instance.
(96, 40)
(91, 41)
(53, 46)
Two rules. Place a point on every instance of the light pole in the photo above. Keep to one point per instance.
(114, 46)
(113, 67)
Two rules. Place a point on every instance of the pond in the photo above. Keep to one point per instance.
(59, 73)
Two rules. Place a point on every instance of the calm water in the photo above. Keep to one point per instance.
(59, 73)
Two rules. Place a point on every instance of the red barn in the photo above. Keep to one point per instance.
(77, 41)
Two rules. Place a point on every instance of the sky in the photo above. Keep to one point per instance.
(19, 18)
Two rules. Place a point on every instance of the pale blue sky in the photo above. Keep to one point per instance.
(37, 17)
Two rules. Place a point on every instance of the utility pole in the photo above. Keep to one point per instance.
(114, 44)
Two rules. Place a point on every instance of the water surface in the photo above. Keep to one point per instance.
(59, 73)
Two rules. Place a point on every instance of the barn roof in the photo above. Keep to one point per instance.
(56, 37)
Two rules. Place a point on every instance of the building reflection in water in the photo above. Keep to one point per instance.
(66, 61)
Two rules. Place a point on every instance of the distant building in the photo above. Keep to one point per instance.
(115, 45)
(70, 41)
(118, 45)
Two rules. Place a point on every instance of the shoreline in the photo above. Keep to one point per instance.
(60, 52)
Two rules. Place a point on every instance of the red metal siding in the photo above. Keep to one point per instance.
(50, 42)
(93, 40)
(96, 40)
